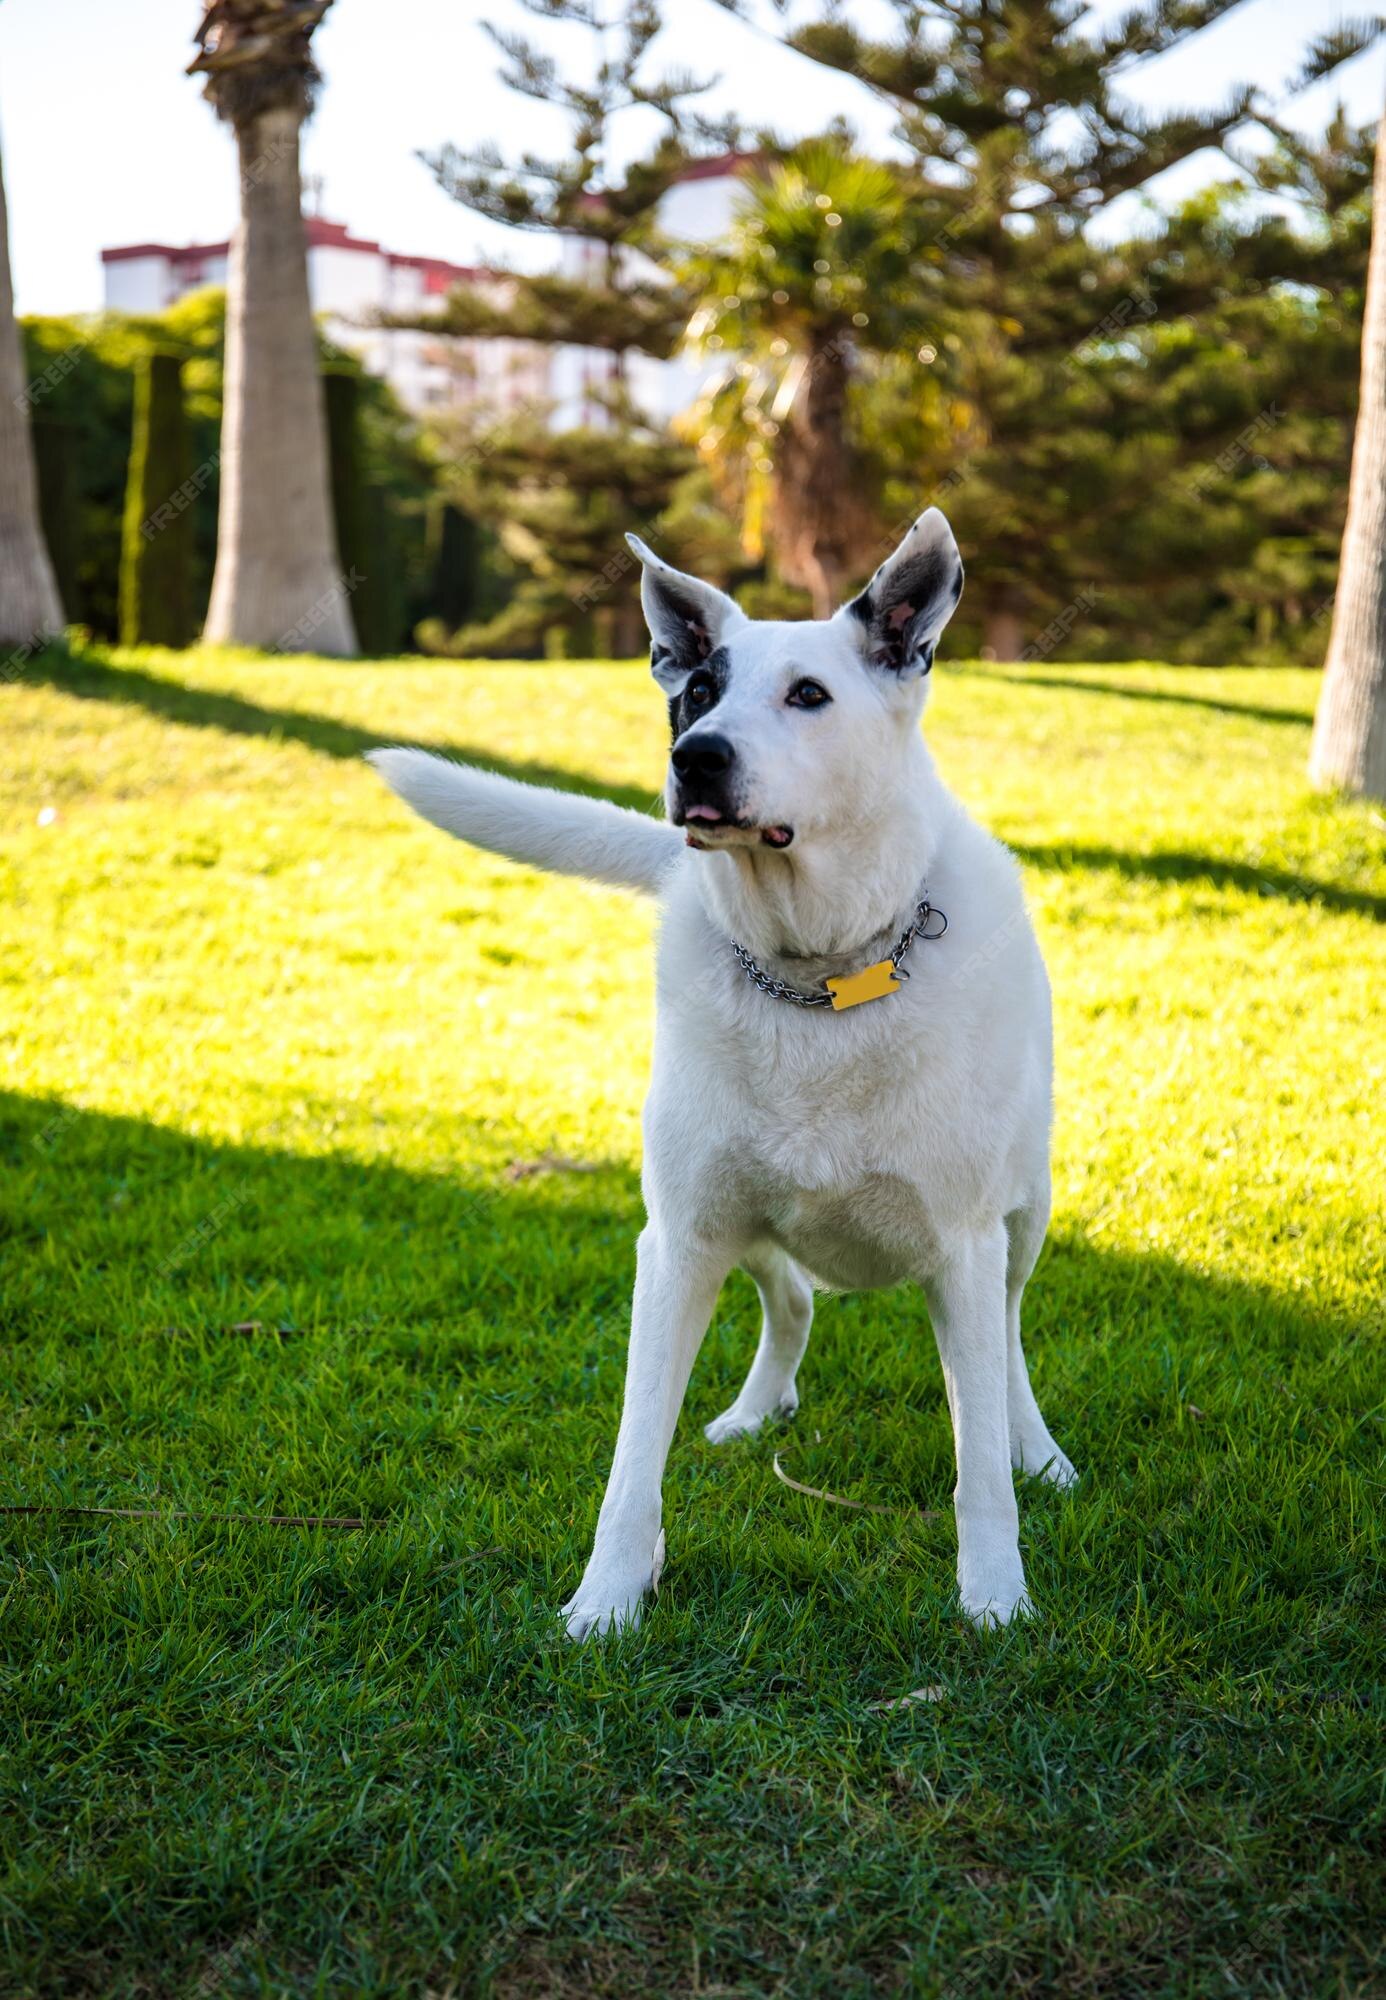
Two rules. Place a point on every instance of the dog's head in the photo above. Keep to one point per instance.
(782, 730)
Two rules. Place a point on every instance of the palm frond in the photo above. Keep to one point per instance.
(257, 55)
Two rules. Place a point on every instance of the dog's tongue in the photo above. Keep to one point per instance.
(777, 836)
(702, 812)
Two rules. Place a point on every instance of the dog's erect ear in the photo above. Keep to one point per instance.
(899, 615)
(687, 619)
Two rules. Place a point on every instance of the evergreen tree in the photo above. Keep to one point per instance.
(1015, 114)
(618, 299)
(1229, 545)
(561, 502)
(454, 549)
(363, 519)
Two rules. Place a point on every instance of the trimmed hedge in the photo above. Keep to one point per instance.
(156, 554)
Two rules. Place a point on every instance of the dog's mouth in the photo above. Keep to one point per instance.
(706, 826)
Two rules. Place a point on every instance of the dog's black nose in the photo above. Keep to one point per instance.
(702, 754)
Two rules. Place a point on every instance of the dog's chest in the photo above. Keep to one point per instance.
(837, 1139)
(843, 1180)
(876, 1229)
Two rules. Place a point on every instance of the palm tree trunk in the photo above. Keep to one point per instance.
(1003, 628)
(29, 606)
(820, 525)
(278, 580)
(823, 587)
(1349, 742)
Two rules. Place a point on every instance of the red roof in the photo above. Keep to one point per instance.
(720, 167)
(335, 236)
(177, 253)
(438, 274)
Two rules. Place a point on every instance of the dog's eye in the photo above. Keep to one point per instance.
(808, 694)
(699, 690)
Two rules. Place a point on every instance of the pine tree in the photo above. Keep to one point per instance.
(1228, 545)
(561, 503)
(1015, 114)
(563, 500)
(619, 301)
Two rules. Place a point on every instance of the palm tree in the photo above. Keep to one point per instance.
(1349, 742)
(819, 269)
(278, 578)
(29, 606)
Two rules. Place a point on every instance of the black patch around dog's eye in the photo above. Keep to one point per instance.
(683, 712)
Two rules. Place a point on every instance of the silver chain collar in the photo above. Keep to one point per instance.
(918, 926)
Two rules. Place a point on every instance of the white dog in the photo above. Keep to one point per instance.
(843, 1095)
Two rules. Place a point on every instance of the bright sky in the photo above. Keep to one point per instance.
(106, 141)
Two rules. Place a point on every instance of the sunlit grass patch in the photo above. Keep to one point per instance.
(321, 1145)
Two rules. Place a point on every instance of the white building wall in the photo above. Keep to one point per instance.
(700, 211)
(345, 282)
(430, 371)
(211, 271)
(137, 285)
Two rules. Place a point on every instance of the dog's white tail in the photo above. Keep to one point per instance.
(558, 830)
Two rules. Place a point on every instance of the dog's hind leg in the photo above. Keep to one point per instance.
(1033, 1450)
(677, 1279)
(786, 1300)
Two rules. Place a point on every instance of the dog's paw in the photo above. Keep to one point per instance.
(1054, 1470)
(998, 1611)
(611, 1596)
(1039, 1457)
(743, 1419)
(591, 1617)
(994, 1596)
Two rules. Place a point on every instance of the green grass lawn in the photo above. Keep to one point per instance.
(320, 1138)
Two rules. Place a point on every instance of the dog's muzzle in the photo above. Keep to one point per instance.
(704, 764)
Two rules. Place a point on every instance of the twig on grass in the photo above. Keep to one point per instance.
(178, 1514)
(838, 1500)
(550, 1163)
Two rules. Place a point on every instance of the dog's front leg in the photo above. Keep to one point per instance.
(967, 1299)
(677, 1279)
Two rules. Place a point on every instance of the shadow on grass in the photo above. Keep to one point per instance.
(90, 678)
(1178, 866)
(128, 1209)
(93, 679)
(251, 1760)
(114, 1230)
(1244, 711)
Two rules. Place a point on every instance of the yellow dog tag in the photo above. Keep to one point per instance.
(872, 983)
